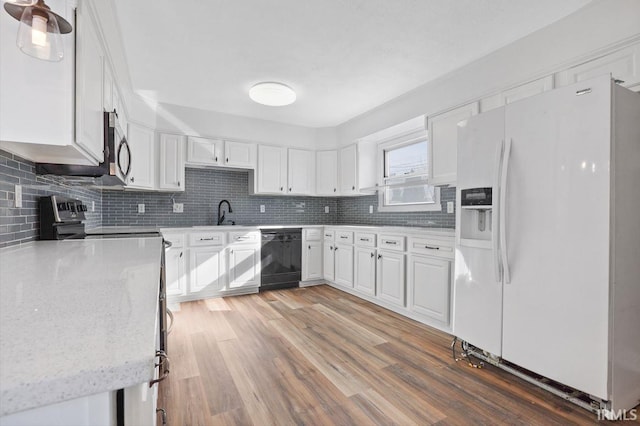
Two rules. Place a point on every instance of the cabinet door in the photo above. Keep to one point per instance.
(312, 260)
(302, 172)
(623, 64)
(204, 151)
(523, 91)
(443, 138)
(429, 287)
(348, 170)
(89, 69)
(365, 270)
(328, 261)
(207, 269)
(141, 142)
(344, 265)
(240, 154)
(327, 172)
(390, 277)
(272, 169)
(171, 171)
(176, 262)
(244, 266)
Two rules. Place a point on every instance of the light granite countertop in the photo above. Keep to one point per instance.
(77, 317)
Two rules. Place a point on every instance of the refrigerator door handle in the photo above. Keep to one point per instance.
(503, 209)
(495, 247)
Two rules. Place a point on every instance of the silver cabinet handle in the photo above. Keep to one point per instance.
(335, 248)
(227, 159)
(216, 159)
(391, 242)
(181, 254)
(282, 188)
(289, 189)
(344, 237)
(164, 364)
(372, 254)
(170, 315)
(379, 256)
(364, 239)
(207, 239)
(432, 248)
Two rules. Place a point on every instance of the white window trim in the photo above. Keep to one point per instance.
(399, 141)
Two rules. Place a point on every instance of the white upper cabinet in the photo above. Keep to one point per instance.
(520, 92)
(89, 81)
(271, 177)
(302, 172)
(443, 141)
(204, 151)
(623, 64)
(348, 170)
(141, 142)
(171, 162)
(240, 154)
(327, 172)
(107, 88)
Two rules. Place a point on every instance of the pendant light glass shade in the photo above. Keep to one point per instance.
(39, 30)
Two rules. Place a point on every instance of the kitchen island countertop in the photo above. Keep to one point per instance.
(77, 317)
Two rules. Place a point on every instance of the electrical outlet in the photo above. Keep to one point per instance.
(140, 208)
(449, 206)
(18, 196)
(370, 209)
(178, 207)
(93, 206)
(326, 209)
(262, 209)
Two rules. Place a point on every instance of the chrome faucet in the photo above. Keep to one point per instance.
(221, 212)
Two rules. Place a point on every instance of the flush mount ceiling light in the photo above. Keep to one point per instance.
(272, 94)
(39, 30)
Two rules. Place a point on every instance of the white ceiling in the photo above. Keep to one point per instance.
(342, 57)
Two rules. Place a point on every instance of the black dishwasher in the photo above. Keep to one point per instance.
(281, 258)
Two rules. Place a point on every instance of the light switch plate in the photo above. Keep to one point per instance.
(326, 209)
(262, 209)
(370, 209)
(140, 208)
(18, 196)
(178, 207)
(449, 206)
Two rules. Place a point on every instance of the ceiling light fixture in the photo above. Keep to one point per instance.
(39, 30)
(272, 94)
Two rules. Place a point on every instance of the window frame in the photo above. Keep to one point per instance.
(396, 142)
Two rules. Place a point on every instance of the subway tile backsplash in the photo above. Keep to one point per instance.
(19, 225)
(205, 188)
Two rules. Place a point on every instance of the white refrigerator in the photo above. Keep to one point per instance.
(547, 275)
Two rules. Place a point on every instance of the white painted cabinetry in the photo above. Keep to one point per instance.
(443, 141)
(311, 254)
(271, 176)
(143, 158)
(207, 269)
(365, 270)
(302, 172)
(204, 151)
(171, 162)
(390, 277)
(520, 92)
(343, 250)
(429, 287)
(89, 80)
(348, 170)
(327, 172)
(328, 255)
(176, 265)
(244, 259)
(240, 154)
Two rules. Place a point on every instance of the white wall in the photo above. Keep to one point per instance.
(597, 26)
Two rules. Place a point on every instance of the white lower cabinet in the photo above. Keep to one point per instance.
(428, 285)
(328, 260)
(312, 261)
(176, 268)
(207, 269)
(244, 266)
(365, 270)
(344, 264)
(390, 277)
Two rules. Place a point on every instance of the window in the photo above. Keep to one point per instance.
(404, 167)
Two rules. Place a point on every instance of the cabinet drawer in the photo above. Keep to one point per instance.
(328, 234)
(177, 240)
(249, 237)
(313, 234)
(344, 237)
(432, 246)
(365, 239)
(206, 239)
(391, 242)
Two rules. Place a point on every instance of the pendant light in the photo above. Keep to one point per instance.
(39, 30)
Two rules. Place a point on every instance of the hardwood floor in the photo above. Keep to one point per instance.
(321, 356)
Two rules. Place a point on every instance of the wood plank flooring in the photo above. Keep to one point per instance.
(321, 356)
